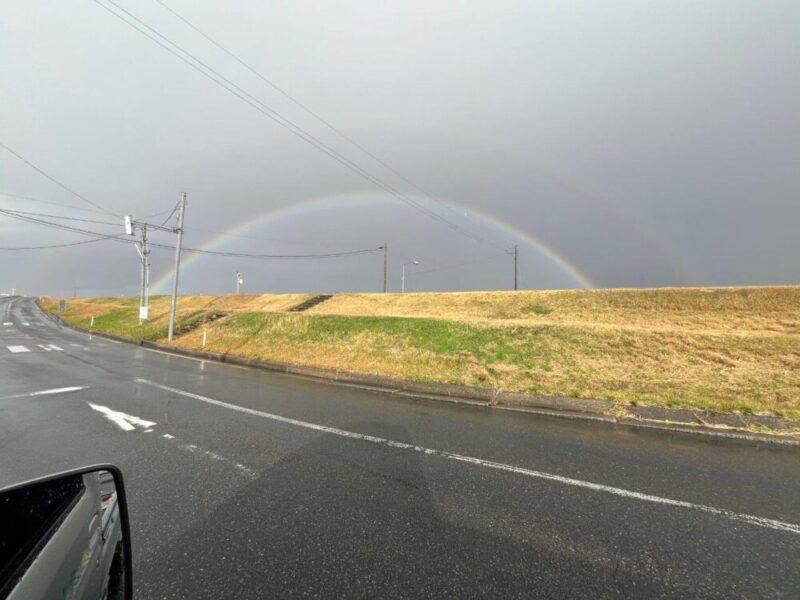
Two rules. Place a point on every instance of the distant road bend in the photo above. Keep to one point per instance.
(248, 484)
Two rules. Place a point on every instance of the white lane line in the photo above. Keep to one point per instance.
(56, 348)
(43, 347)
(16, 349)
(7, 324)
(168, 436)
(47, 392)
(26, 324)
(745, 518)
(120, 419)
(214, 456)
(74, 388)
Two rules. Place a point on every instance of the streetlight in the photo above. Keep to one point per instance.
(239, 282)
(403, 278)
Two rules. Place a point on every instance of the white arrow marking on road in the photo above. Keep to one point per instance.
(122, 420)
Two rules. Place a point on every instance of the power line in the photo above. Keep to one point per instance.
(273, 115)
(54, 180)
(29, 199)
(52, 225)
(278, 256)
(169, 216)
(93, 221)
(294, 100)
(119, 238)
(102, 239)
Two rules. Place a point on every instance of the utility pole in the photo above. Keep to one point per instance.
(515, 253)
(143, 253)
(179, 231)
(131, 227)
(239, 281)
(385, 267)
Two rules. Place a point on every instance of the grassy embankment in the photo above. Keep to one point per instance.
(718, 349)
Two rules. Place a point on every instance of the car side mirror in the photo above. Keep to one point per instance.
(66, 536)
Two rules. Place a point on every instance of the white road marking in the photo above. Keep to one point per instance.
(50, 347)
(74, 388)
(122, 420)
(16, 349)
(741, 517)
(47, 392)
(214, 456)
(26, 324)
(7, 324)
(168, 436)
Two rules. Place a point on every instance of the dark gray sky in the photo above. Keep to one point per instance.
(617, 143)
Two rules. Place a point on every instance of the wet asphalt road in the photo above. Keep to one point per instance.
(237, 492)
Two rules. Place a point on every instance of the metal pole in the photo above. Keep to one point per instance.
(174, 302)
(516, 261)
(143, 283)
(385, 267)
(146, 272)
(403, 280)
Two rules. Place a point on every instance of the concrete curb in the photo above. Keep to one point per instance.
(727, 425)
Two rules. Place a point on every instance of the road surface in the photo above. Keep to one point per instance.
(248, 484)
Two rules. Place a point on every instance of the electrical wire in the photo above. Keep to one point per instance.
(29, 199)
(169, 216)
(119, 238)
(102, 239)
(294, 100)
(93, 221)
(273, 115)
(54, 180)
(275, 256)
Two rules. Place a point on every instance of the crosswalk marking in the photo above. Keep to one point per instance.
(50, 347)
(16, 349)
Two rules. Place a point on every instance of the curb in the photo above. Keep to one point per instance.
(698, 422)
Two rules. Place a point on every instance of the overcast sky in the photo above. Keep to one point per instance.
(636, 143)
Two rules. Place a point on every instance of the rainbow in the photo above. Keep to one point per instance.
(342, 201)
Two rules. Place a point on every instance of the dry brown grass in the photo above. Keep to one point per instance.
(719, 349)
(760, 310)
